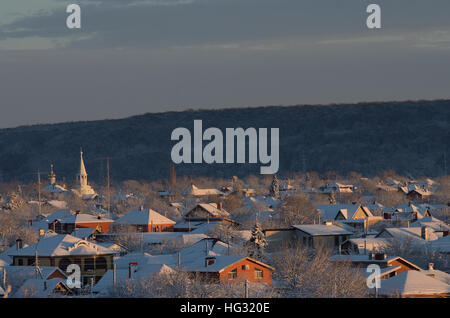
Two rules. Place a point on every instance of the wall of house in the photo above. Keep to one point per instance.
(104, 226)
(98, 270)
(246, 274)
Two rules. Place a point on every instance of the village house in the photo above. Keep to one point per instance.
(229, 269)
(208, 212)
(62, 250)
(334, 187)
(415, 235)
(363, 245)
(146, 220)
(321, 235)
(194, 191)
(355, 215)
(393, 265)
(79, 220)
(40, 288)
(414, 284)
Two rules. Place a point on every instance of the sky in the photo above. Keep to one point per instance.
(137, 56)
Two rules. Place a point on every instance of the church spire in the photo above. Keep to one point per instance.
(83, 174)
(52, 176)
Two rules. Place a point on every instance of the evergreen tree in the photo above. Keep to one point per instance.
(257, 242)
(274, 187)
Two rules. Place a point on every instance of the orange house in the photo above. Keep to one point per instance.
(231, 269)
(78, 220)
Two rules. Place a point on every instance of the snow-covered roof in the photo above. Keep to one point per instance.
(322, 229)
(221, 262)
(413, 283)
(329, 212)
(83, 233)
(58, 204)
(440, 275)
(195, 191)
(30, 271)
(408, 233)
(441, 245)
(431, 222)
(214, 210)
(370, 243)
(366, 258)
(144, 217)
(138, 272)
(54, 188)
(81, 218)
(39, 288)
(62, 245)
(5, 259)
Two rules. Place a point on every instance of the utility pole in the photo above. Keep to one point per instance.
(108, 187)
(39, 191)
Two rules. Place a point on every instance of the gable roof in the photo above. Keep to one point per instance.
(329, 212)
(62, 245)
(212, 209)
(221, 262)
(144, 217)
(413, 283)
(321, 229)
(195, 191)
(408, 233)
(40, 288)
(141, 271)
(81, 218)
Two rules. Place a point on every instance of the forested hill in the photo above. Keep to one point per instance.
(408, 137)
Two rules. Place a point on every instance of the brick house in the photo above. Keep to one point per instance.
(146, 220)
(78, 220)
(230, 269)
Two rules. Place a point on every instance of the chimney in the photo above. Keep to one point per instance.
(219, 206)
(424, 233)
(445, 233)
(77, 212)
(19, 244)
(210, 260)
(430, 266)
(129, 268)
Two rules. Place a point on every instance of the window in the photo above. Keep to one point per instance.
(64, 263)
(20, 262)
(30, 261)
(258, 273)
(101, 263)
(89, 264)
(232, 274)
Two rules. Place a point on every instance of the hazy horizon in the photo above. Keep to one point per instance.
(362, 103)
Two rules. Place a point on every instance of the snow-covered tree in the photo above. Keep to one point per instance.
(257, 242)
(274, 187)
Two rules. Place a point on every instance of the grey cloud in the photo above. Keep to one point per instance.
(140, 23)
